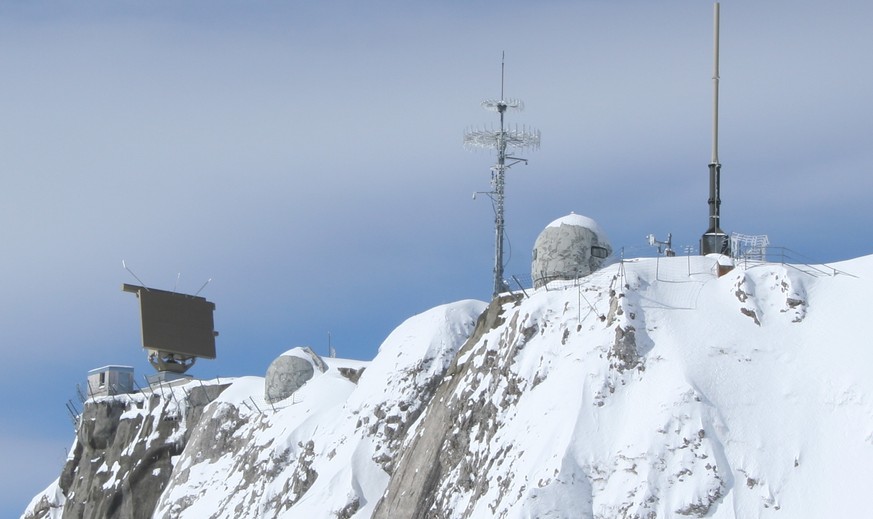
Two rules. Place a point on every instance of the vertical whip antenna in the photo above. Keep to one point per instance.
(125, 267)
(502, 71)
(500, 140)
(715, 86)
(714, 240)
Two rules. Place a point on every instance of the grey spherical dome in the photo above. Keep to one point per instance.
(290, 371)
(570, 247)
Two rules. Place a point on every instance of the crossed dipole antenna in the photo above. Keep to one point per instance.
(501, 139)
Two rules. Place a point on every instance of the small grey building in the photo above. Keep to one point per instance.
(110, 380)
(572, 246)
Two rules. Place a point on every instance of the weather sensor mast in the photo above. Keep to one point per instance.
(501, 140)
(714, 240)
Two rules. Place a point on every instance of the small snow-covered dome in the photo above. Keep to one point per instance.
(290, 371)
(570, 247)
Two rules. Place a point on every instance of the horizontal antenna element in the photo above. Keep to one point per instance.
(519, 139)
(494, 105)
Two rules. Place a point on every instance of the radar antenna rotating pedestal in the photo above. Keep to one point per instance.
(500, 140)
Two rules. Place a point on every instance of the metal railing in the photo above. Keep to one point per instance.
(791, 259)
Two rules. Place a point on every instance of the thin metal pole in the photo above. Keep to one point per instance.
(715, 87)
(579, 304)
(499, 184)
(714, 166)
(714, 239)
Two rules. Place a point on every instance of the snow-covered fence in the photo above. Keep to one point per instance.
(791, 259)
(749, 245)
(525, 282)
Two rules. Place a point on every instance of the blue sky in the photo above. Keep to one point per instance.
(307, 158)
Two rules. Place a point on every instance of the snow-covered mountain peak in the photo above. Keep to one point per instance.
(651, 388)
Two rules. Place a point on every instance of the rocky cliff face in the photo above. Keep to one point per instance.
(123, 455)
(648, 389)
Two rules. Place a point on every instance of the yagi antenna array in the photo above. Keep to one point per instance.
(500, 139)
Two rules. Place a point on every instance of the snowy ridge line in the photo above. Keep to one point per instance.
(677, 270)
(792, 259)
(173, 390)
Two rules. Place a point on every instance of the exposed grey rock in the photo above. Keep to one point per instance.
(349, 510)
(750, 313)
(49, 505)
(411, 491)
(123, 456)
(623, 353)
(226, 434)
(352, 374)
(615, 308)
(304, 476)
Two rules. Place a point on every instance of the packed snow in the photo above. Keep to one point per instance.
(651, 388)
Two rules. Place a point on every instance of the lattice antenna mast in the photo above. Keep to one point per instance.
(501, 140)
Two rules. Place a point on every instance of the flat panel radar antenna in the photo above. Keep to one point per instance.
(501, 140)
(714, 240)
(176, 328)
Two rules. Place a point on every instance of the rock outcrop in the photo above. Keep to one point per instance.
(122, 458)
